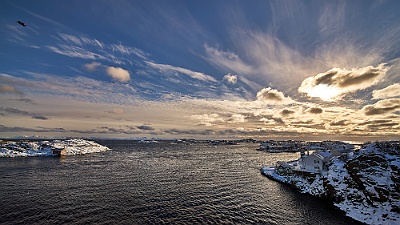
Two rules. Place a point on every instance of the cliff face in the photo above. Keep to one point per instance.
(366, 186)
(376, 177)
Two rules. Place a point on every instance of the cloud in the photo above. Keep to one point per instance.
(267, 121)
(75, 52)
(339, 123)
(107, 130)
(207, 119)
(287, 112)
(26, 100)
(39, 117)
(118, 74)
(14, 83)
(91, 67)
(89, 48)
(388, 92)
(232, 79)
(145, 127)
(384, 125)
(112, 130)
(178, 132)
(80, 40)
(78, 87)
(336, 82)
(17, 34)
(70, 38)
(315, 110)
(99, 130)
(192, 74)
(19, 129)
(262, 58)
(237, 118)
(382, 107)
(4, 88)
(15, 111)
(46, 19)
(226, 60)
(116, 111)
(272, 96)
(128, 50)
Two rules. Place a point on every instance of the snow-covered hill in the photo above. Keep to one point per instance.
(46, 148)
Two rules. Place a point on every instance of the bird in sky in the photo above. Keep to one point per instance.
(21, 23)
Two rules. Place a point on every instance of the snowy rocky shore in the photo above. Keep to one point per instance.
(364, 184)
(12, 149)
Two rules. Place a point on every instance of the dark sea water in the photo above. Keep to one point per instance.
(159, 183)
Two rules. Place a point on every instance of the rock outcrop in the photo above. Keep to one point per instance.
(366, 185)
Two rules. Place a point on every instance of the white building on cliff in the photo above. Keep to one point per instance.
(316, 162)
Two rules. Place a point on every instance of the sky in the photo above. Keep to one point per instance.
(203, 69)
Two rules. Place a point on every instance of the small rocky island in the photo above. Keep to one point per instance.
(11, 149)
(363, 183)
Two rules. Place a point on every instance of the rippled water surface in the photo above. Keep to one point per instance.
(159, 183)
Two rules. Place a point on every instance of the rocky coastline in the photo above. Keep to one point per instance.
(21, 148)
(364, 184)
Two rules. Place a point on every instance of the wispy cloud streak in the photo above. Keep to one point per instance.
(168, 69)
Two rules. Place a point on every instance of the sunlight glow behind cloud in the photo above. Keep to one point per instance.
(336, 82)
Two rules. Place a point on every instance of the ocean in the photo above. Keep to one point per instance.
(158, 183)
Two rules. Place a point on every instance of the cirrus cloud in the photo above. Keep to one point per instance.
(226, 60)
(174, 69)
(336, 82)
